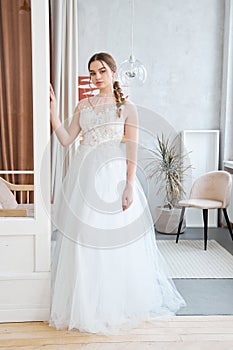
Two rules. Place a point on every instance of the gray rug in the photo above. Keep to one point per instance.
(206, 296)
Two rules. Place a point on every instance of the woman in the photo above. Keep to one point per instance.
(107, 272)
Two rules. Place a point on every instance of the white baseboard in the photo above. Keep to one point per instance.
(24, 315)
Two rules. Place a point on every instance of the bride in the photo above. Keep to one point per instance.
(107, 272)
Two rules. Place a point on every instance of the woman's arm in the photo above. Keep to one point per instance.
(131, 134)
(65, 135)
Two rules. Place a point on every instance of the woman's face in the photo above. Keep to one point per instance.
(101, 75)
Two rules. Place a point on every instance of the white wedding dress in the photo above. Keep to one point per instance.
(107, 272)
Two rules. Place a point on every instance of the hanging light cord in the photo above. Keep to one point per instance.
(132, 70)
(132, 30)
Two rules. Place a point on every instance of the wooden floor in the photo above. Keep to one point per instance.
(181, 332)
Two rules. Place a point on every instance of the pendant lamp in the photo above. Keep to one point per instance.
(132, 72)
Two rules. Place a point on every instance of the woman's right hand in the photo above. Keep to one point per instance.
(127, 197)
(53, 104)
(65, 136)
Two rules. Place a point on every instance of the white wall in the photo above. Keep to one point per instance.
(180, 43)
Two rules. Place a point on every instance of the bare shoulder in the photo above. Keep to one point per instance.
(129, 103)
(83, 103)
(79, 107)
(130, 110)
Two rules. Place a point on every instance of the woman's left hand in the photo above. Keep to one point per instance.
(127, 197)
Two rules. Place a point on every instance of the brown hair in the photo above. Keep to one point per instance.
(109, 60)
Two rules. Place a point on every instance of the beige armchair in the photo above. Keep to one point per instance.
(210, 191)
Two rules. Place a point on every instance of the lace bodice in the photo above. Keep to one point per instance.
(100, 122)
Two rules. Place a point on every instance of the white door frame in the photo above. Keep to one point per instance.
(25, 242)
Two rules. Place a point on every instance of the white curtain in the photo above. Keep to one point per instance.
(64, 38)
(227, 86)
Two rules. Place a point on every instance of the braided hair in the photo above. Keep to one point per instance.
(109, 60)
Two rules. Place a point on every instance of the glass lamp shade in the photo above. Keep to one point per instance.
(132, 72)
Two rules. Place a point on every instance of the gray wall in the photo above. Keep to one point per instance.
(179, 42)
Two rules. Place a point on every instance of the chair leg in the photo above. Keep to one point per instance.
(180, 224)
(205, 219)
(228, 222)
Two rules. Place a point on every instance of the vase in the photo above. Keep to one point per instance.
(167, 220)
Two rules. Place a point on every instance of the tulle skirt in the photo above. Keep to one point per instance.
(107, 272)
